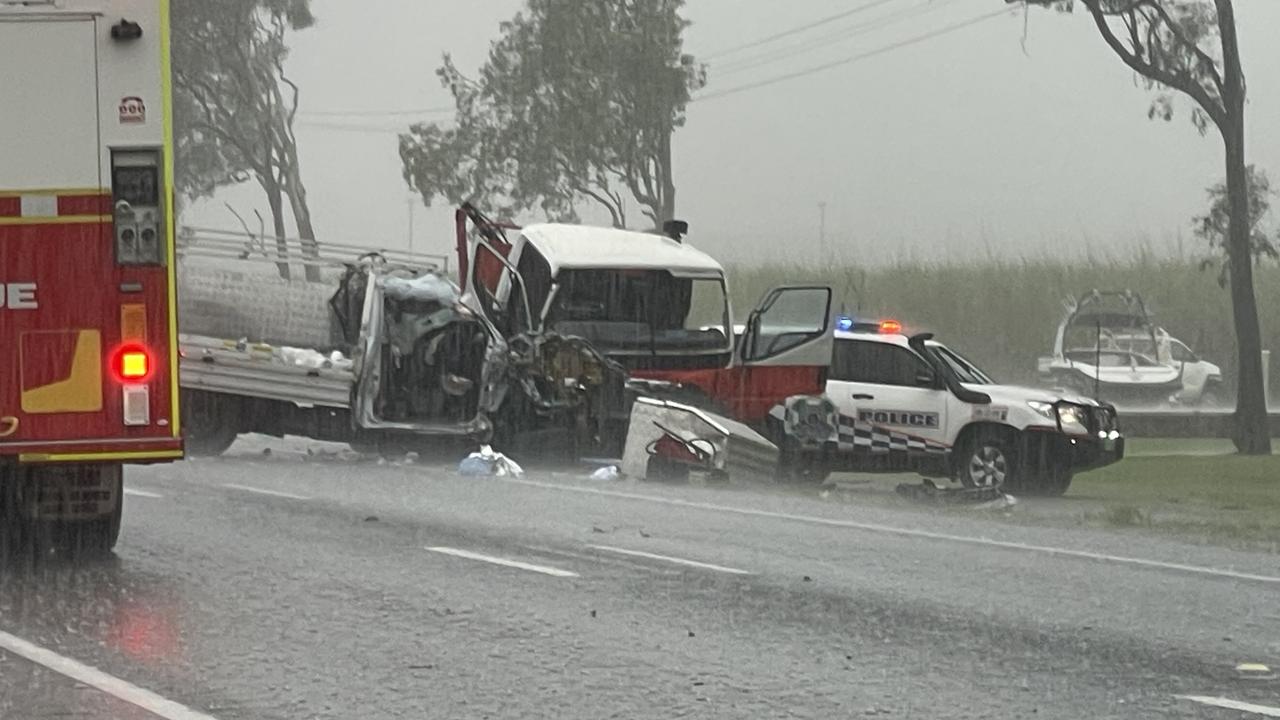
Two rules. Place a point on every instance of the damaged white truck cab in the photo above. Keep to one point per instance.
(396, 360)
(910, 404)
(642, 313)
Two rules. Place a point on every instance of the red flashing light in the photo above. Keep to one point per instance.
(890, 327)
(132, 364)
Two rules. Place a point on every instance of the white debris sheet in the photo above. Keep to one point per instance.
(487, 463)
(428, 287)
(313, 359)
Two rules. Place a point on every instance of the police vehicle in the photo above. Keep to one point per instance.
(907, 403)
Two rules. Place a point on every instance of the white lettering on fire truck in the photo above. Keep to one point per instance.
(18, 296)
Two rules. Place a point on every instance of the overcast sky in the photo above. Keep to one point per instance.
(970, 142)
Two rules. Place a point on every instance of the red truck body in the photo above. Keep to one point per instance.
(88, 353)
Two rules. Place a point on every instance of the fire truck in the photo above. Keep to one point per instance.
(88, 370)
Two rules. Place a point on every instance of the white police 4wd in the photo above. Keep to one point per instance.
(895, 403)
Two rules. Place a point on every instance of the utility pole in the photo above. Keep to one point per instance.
(412, 201)
(822, 228)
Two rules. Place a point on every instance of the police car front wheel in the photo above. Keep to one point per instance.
(985, 463)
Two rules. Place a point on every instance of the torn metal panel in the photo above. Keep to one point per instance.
(720, 445)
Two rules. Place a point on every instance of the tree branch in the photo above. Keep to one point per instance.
(1215, 111)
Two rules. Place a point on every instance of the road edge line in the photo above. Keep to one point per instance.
(95, 678)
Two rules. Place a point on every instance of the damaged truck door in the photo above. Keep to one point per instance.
(420, 356)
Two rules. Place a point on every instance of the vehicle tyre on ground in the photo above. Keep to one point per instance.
(74, 538)
(209, 424)
(986, 460)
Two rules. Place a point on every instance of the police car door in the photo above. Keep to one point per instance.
(888, 398)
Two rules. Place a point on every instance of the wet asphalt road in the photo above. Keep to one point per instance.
(624, 600)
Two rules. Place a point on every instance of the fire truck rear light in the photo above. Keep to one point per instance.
(137, 405)
(134, 364)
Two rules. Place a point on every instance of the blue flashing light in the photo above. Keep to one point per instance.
(844, 323)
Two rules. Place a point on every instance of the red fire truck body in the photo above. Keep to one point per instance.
(88, 371)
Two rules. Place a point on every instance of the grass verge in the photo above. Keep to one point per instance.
(1225, 498)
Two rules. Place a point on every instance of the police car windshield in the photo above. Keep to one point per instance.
(965, 371)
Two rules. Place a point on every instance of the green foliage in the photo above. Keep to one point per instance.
(1214, 225)
(577, 101)
(1173, 45)
(1003, 313)
(224, 56)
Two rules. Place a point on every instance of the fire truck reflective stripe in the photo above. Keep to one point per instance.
(43, 204)
(84, 204)
(80, 390)
(166, 120)
(58, 220)
(39, 205)
(101, 457)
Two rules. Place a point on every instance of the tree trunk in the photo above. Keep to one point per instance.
(1252, 428)
(302, 218)
(275, 201)
(667, 179)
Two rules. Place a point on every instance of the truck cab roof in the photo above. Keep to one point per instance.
(584, 247)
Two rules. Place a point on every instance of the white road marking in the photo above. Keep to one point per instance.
(1263, 710)
(260, 491)
(93, 677)
(910, 532)
(142, 493)
(670, 559)
(544, 569)
(599, 559)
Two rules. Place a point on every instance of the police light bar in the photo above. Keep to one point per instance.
(844, 323)
(890, 327)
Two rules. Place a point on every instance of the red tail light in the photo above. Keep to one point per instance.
(132, 364)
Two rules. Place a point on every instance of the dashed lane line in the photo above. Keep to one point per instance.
(1228, 704)
(262, 491)
(95, 678)
(133, 492)
(480, 557)
(1223, 573)
(670, 559)
(601, 560)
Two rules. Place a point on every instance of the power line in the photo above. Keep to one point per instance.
(833, 38)
(340, 127)
(853, 58)
(798, 29)
(376, 113)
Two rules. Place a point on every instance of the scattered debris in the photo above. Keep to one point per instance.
(596, 529)
(593, 613)
(607, 473)
(691, 633)
(487, 463)
(981, 498)
(644, 534)
(808, 579)
(371, 518)
(266, 452)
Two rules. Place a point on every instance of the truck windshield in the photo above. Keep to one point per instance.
(637, 312)
(965, 371)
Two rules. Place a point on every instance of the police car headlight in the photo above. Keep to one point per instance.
(1043, 409)
(1072, 418)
